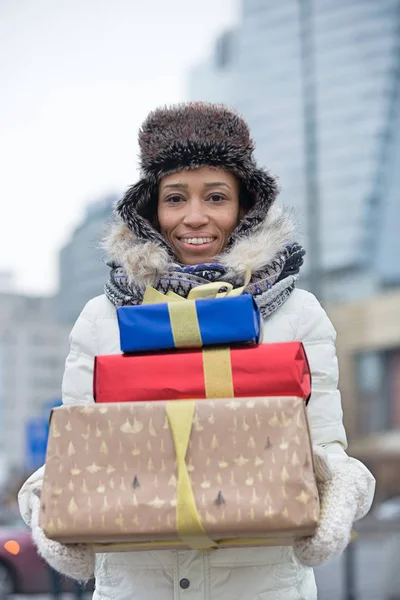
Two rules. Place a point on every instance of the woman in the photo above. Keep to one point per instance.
(203, 211)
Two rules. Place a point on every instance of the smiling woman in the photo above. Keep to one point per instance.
(203, 212)
(197, 212)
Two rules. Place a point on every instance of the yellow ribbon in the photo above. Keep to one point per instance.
(182, 312)
(218, 372)
(188, 522)
(185, 324)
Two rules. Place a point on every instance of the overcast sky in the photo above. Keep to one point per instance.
(77, 77)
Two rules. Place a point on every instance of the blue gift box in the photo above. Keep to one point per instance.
(220, 321)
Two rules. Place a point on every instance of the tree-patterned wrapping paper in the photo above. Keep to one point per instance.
(123, 473)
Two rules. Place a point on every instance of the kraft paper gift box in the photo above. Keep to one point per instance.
(264, 370)
(189, 324)
(191, 474)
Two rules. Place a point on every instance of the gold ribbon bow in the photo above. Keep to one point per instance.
(182, 312)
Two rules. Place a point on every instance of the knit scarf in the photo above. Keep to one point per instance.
(270, 287)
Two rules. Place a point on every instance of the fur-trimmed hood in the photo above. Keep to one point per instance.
(188, 136)
(144, 261)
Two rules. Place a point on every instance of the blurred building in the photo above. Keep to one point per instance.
(34, 338)
(214, 79)
(257, 69)
(33, 348)
(7, 281)
(368, 345)
(82, 271)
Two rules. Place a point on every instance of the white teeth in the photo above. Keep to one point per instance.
(198, 241)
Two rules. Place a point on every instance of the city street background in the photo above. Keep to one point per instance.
(318, 82)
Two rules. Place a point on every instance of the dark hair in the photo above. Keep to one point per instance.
(246, 199)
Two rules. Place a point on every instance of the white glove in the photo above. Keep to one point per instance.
(346, 492)
(73, 560)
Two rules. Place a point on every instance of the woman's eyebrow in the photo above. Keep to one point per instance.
(216, 183)
(176, 185)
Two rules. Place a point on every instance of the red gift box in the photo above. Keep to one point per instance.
(264, 370)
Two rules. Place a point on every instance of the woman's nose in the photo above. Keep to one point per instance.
(196, 214)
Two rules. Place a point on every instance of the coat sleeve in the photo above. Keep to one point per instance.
(77, 384)
(77, 388)
(325, 408)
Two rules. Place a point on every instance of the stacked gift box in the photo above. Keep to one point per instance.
(198, 437)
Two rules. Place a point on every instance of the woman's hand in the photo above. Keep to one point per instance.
(73, 560)
(345, 492)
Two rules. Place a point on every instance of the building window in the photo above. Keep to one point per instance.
(394, 388)
(378, 382)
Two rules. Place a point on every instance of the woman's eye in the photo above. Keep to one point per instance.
(174, 199)
(216, 198)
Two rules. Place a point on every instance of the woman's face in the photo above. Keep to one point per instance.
(197, 211)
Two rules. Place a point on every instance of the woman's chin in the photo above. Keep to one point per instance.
(196, 260)
(196, 255)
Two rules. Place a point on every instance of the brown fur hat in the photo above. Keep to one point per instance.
(188, 136)
(194, 134)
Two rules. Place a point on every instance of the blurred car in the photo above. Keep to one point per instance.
(22, 570)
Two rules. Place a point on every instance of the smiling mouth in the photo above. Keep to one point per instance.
(197, 241)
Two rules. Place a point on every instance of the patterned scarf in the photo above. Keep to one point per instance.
(270, 287)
